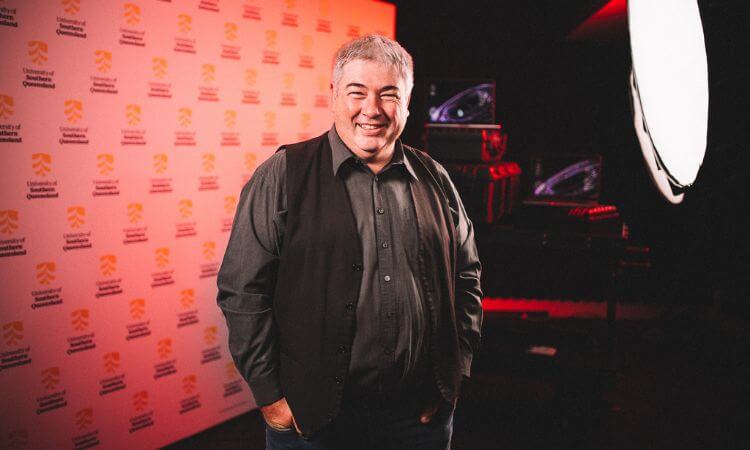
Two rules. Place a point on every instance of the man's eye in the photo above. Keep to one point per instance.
(390, 96)
(357, 94)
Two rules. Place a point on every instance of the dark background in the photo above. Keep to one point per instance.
(556, 94)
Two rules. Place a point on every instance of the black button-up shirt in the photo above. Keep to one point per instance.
(390, 346)
(391, 329)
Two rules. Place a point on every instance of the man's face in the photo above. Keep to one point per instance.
(370, 107)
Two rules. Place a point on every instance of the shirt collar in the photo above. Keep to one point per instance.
(340, 153)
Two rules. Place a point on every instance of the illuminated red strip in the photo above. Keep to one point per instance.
(561, 309)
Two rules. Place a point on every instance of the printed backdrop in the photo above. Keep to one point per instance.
(127, 129)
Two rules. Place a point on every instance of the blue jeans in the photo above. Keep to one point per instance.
(372, 426)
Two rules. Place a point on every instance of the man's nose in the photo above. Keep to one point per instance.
(371, 106)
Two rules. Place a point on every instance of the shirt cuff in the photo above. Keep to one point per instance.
(265, 390)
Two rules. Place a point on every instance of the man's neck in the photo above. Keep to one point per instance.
(381, 159)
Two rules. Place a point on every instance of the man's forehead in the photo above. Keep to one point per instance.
(351, 71)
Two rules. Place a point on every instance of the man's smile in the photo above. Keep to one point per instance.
(371, 126)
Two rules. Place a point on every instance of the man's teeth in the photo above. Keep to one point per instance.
(368, 126)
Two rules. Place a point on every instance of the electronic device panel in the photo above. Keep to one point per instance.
(460, 101)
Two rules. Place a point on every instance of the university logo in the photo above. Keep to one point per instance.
(71, 6)
(208, 249)
(325, 7)
(230, 118)
(13, 332)
(111, 362)
(288, 80)
(304, 120)
(161, 255)
(209, 334)
(185, 116)
(103, 60)
(133, 114)
(188, 384)
(307, 43)
(6, 106)
(208, 162)
(41, 163)
(79, 319)
(37, 51)
(353, 32)
(76, 216)
(84, 418)
(140, 400)
(251, 160)
(230, 31)
(137, 308)
(105, 162)
(73, 110)
(270, 119)
(131, 13)
(231, 370)
(230, 203)
(184, 23)
(135, 212)
(8, 221)
(45, 272)
(18, 439)
(208, 73)
(50, 378)
(271, 39)
(160, 162)
(107, 264)
(185, 207)
(164, 348)
(323, 84)
(159, 67)
(187, 297)
(251, 77)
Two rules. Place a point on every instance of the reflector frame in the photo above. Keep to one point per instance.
(669, 83)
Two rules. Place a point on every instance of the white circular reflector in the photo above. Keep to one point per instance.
(669, 83)
(649, 153)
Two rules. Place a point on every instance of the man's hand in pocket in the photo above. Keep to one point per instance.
(278, 415)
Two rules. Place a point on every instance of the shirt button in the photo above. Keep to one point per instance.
(389, 314)
(387, 278)
(338, 380)
(342, 349)
(385, 245)
(357, 267)
(350, 306)
(388, 351)
(381, 211)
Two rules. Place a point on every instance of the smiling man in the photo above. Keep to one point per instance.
(350, 284)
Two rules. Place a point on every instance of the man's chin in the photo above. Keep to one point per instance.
(369, 144)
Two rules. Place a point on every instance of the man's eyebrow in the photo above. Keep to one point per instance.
(362, 86)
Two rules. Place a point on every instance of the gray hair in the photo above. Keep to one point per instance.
(374, 47)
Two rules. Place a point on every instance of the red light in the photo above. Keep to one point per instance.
(609, 21)
(559, 309)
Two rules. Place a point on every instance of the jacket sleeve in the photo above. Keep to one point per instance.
(468, 295)
(247, 278)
